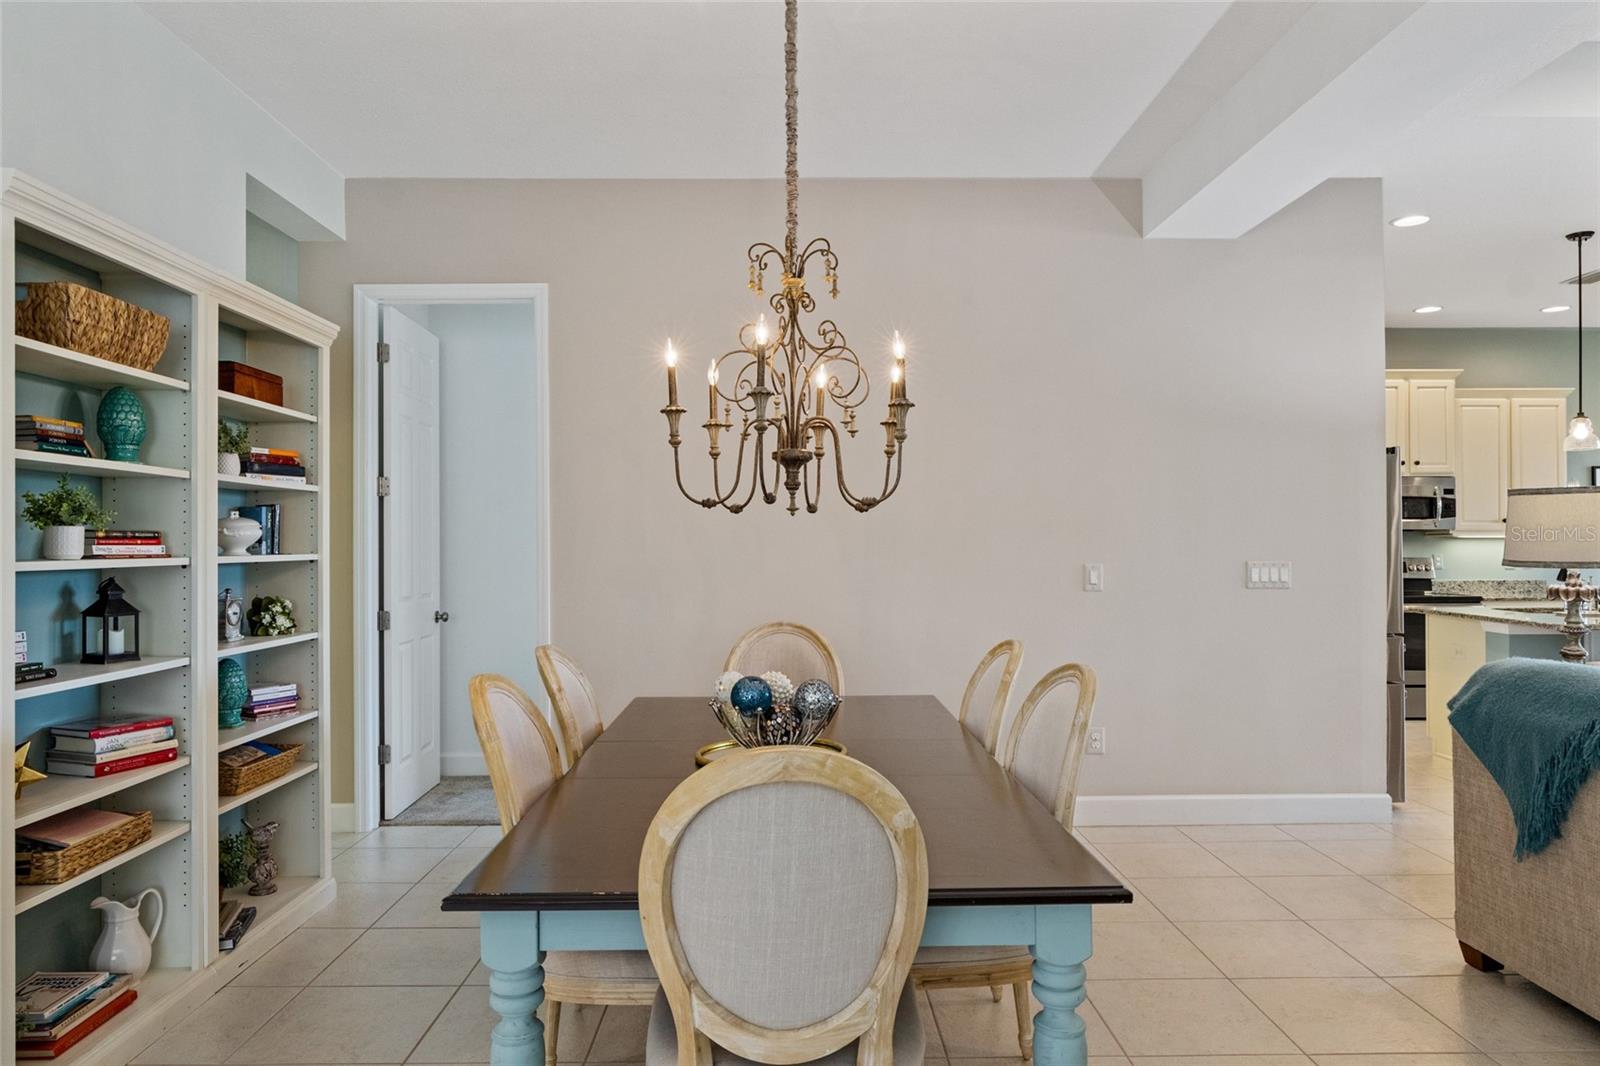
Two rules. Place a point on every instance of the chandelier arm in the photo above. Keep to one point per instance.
(677, 470)
(859, 503)
(755, 467)
(805, 483)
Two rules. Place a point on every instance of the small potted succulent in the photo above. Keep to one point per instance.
(233, 444)
(63, 514)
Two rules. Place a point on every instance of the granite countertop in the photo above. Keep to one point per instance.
(1535, 614)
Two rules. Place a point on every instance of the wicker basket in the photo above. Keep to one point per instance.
(237, 780)
(54, 867)
(87, 321)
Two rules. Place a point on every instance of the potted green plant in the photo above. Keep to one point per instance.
(62, 514)
(233, 444)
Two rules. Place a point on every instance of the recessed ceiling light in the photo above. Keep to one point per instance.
(1407, 221)
(1430, 309)
(1556, 309)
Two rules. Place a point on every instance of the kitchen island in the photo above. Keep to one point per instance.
(1462, 637)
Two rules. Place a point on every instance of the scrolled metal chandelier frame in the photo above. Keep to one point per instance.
(782, 381)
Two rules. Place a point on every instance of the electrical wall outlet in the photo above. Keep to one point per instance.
(1258, 575)
(1094, 577)
(1097, 740)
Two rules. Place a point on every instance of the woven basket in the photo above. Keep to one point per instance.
(237, 780)
(54, 867)
(87, 321)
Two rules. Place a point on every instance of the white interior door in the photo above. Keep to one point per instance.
(410, 562)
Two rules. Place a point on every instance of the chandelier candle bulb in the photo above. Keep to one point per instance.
(672, 376)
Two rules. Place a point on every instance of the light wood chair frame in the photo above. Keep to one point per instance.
(804, 632)
(1018, 972)
(558, 989)
(870, 1017)
(548, 656)
(1011, 650)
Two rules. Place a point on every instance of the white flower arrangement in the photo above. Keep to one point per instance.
(272, 616)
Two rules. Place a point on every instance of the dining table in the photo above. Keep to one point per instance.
(1001, 869)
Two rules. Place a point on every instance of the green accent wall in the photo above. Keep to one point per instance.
(271, 258)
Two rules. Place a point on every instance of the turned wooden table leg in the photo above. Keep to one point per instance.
(509, 946)
(1478, 960)
(1062, 944)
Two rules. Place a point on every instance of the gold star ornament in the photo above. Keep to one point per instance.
(26, 775)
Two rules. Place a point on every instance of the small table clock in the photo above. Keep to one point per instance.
(230, 614)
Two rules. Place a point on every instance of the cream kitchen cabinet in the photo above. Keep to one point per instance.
(1419, 418)
(1506, 439)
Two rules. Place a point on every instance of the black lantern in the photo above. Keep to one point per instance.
(110, 627)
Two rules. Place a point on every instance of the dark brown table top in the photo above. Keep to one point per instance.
(989, 840)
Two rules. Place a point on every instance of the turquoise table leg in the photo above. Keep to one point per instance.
(509, 944)
(1061, 944)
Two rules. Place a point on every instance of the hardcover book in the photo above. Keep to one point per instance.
(73, 827)
(93, 758)
(47, 995)
(117, 742)
(106, 769)
(112, 726)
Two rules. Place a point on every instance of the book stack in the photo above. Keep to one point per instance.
(99, 747)
(270, 515)
(126, 544)
(280, 466)
(267, 701)
(34, 671)
(39, 433)
(56, 1010)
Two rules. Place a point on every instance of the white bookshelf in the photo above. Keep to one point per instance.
(175, 488)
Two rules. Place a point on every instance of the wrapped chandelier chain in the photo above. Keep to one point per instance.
(787, 380)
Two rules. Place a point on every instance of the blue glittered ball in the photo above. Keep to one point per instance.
(751, 696)
(815, 699)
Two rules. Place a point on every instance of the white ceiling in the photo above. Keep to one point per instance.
(1484, 116)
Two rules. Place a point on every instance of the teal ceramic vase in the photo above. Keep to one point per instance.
(121, 425)
(232, 693)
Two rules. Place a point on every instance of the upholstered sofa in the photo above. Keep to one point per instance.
(1539, 917)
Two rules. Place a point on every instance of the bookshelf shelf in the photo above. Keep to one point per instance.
(232, 738)
(250, 644)
(213, 318)
(83, 675)
(29, 896)
(252, 484)
(58, 793)
(290, 891)
(33, 566)
(63, 364)
(73, 464)
(301, 769)
(244, 409)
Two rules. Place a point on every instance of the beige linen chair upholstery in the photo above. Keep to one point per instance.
(572, 702)
(983, 705)
(1044, 751)
(782, 894)
(520, 751)
(796, 650)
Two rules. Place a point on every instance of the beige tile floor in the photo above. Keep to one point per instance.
(1310, 945)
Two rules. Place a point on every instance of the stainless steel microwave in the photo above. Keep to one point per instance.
(1428, 502)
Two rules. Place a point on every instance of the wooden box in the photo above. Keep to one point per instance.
(250, 382)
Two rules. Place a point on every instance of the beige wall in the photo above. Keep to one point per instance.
(1167, 408)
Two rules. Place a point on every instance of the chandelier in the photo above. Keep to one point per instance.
(801, 387)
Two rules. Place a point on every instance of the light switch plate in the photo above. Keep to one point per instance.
(1094, 577)
(1268, 575)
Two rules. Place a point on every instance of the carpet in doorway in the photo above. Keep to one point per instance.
(453, 801)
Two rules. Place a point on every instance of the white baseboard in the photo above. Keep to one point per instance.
(463, 764)
(1264, 809)
(342, 817)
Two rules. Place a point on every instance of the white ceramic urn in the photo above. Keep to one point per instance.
(236, 533)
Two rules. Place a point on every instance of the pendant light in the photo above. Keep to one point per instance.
(1580, 431)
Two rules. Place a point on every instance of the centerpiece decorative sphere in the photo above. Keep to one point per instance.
(815, 699)
(751, 696)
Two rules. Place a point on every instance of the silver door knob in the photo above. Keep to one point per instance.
(441, 616)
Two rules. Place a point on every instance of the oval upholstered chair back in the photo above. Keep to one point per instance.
(783, 894)
(518, 746)
(796, 650)
(1044, 749)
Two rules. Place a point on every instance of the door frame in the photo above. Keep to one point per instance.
(368, 302)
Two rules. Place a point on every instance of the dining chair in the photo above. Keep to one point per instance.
(1044, 752)
(520, 751)
(983, 705)
(796, 650)
(782, 895)
(572, 702)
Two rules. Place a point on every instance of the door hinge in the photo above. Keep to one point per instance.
(384, 755)
(383, 351)
(383, 485)
(383, 621)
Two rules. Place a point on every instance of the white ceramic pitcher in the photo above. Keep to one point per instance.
(124, 946)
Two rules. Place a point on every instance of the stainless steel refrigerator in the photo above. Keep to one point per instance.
(1395, 675)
